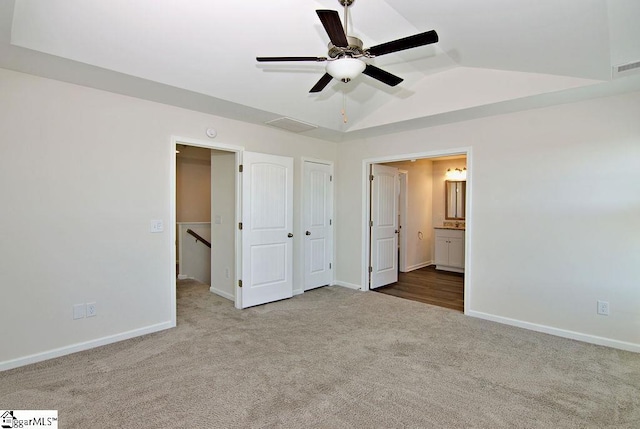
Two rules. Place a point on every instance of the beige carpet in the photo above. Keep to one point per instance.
(333, 358)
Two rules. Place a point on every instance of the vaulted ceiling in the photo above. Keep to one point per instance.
(201, 54)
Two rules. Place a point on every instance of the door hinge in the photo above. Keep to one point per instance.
(330, 178)
(239, 283)
(239, 225)
(240, 168)
(371, 223)
(370, 270)
(330, 222)
(371, 178)
(329, 265)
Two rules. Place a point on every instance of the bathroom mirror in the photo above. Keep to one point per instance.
(455, 193)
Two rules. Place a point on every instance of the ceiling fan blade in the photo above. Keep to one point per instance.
(333, 26)
(324, 81)
(404, 43)
(271, 59)
(381, 75)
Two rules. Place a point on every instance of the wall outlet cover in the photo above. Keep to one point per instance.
(603, 308)
(91, 309)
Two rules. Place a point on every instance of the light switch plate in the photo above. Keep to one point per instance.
(156, 226)
(79, 311)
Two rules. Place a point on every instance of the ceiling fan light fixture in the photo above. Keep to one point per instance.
(345, 68)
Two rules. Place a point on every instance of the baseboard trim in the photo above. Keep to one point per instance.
(418, 266)
(222, 293)
(347, 285)
(587, 338)
(183, 277)
(298, 292)
(78, 347)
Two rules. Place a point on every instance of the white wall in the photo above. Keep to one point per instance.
(223, 227)
(194, 257)
(193, 189)
(83, 173)
(555, 214)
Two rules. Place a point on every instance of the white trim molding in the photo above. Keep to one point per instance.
(347, 285)
(222, 293)
(418, 266)
(592, 339)
(78, 347)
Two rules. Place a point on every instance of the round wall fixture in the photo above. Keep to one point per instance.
(211, 133)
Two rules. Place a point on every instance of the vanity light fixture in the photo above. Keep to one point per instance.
(456, 174)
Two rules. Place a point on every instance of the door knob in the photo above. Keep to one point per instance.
(289, 235)
(307, 233)
(396, 231)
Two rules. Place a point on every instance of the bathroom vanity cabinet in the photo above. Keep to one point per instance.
(450, 249)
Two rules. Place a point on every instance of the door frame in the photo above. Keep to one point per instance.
(301, 255)
(366, 203)
(188, 141)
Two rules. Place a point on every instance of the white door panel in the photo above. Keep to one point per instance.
(267, 218)
(317, 198)
(384, 231)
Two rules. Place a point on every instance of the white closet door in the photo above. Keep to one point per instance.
(318, 245)
(267, 228)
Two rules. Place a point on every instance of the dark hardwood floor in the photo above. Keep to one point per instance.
(431, 286)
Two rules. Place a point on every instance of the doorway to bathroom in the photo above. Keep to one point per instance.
(411, 228)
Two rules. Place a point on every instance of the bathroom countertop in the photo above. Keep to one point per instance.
(460, 228)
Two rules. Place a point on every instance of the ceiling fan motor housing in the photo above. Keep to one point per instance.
(354, 49)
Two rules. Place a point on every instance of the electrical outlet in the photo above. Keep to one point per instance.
(79, 311)
(91, 309)
(603, 308)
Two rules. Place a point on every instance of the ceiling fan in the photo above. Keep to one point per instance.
(344, 61)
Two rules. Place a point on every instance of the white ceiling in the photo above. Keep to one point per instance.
(201, 54)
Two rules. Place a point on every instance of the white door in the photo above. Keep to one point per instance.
(317, 207)
(267, 229)
(384, 229)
